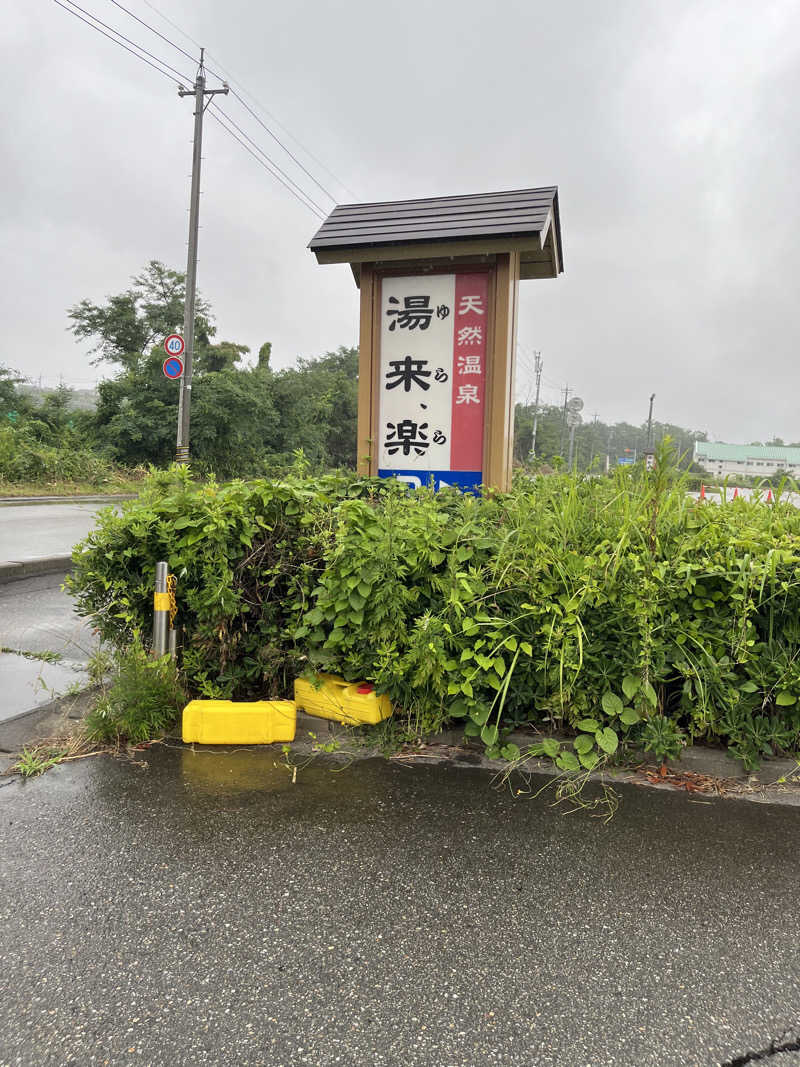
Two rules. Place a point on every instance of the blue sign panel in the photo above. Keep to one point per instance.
(624, 461)
(468, 481)
(173, 367)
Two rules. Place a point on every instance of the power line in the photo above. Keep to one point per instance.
(122, 35)
(234, 82)
(258, 148)
(277, 140)
(155, 31)
(114, 39)
(303, 197)
(258, 159)
(174, 25)
(300, 195)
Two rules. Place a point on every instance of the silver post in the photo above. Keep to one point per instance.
(160, 615)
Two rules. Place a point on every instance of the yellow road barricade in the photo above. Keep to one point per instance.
(225, 722)
(352, 703)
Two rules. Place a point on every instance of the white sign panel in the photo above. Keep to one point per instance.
(416, 381)
(432, 378)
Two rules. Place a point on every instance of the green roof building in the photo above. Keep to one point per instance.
(752, 460)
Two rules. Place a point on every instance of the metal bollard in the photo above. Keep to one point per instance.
(160, 611)
(172, 642)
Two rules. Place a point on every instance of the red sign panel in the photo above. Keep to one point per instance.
(469, 371)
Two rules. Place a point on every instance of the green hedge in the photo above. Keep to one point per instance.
(618, 610)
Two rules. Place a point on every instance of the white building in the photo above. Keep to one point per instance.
(753, 460)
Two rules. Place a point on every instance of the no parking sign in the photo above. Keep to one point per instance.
(173, 364)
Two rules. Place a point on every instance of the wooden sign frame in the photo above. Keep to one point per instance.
(498, 432)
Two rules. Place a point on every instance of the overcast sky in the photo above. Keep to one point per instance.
(670, 129)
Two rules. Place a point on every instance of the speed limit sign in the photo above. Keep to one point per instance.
(174, 345)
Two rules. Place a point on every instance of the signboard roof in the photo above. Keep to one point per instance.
(522, 219)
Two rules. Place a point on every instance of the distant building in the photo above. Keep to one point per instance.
(752, 460)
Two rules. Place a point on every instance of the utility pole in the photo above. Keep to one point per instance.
(650, 422)
(595, 417)
(565, 391)
(649, 452)
(199, 92)
(538, 365)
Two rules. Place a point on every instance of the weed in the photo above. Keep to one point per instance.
(37, 760)
(663, 737)
(44, 657)
(143, 699)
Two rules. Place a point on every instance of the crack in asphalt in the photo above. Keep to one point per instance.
(780, 1044)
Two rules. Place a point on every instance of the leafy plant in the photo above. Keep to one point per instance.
(144, 699)
(663, 737)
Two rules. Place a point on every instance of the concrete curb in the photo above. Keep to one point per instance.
(44, 721)
(776, 782)
(110, 498)
(16, 570)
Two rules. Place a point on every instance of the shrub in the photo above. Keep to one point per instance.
(611, 609)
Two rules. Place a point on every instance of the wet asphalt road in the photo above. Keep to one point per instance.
(31, 530)
(201, 909)
(37, 616)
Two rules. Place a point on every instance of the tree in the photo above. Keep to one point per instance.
(11, 400)
(318, 405)
(595, 440)
(235, 422)
(125, 328)
(242, 419)
(264, 354)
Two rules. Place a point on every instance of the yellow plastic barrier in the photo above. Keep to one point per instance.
(352, 703)
(225, 722)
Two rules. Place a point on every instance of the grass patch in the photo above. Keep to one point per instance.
(111, 487)
(44, 657)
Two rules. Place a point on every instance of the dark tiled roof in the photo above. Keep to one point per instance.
(521, 213)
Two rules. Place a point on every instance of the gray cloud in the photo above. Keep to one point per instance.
(668, 128)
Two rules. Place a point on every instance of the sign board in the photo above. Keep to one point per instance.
(625, 461)
(173, 367)
(432, 379)
(174, 345)
(439, 283)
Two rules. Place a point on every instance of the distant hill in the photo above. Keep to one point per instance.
(82, 399)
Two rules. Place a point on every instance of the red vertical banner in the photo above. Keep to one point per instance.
(469, 371)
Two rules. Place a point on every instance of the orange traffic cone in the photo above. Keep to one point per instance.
(769, 497)
(702, 491)
(735, 492)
